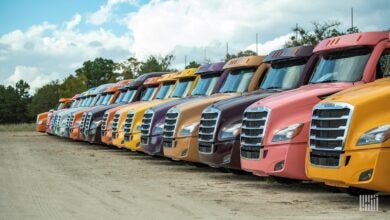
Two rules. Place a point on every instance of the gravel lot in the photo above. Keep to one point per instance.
(44, 177)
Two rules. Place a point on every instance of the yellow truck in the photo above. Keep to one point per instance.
(127, 121)
(180, 135)
(354, 149)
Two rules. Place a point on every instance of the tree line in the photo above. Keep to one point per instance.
(17, 105)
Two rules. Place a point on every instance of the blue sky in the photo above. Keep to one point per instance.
(47, 40)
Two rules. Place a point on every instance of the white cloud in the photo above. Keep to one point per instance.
(104, 13)
(268, 46)
(69, 25)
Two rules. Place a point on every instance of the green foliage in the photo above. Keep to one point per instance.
(45, 98)
(240, 54)
(192, 64)
(156, 64)
(129, 68)
(98, 71)
(320, 31)
(17, 127)
(73, 85)
(14, 102)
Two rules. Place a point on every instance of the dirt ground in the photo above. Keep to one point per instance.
(45, 177)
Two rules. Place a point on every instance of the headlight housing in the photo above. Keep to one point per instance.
(187, 131)
(287, 133)
(375, 136)
(231, 132)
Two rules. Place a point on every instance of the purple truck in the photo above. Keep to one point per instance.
(212, 78)
(219, 144)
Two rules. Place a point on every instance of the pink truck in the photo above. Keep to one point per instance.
(275, 130)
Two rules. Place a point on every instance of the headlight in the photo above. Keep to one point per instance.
(375, 136)
(287, 133)
(40, 122)
(138, 128)
(230, 132)
(187, 131)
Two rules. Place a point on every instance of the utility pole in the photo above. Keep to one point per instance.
(257, 43)
(352, 19)
(227, 49)
(296, 31)
(185, 61)
(205, 55)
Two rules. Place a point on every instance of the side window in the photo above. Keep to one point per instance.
(382, 68)
(68, 105)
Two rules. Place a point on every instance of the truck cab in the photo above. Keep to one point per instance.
(220, 126)
(346, 151)
(91, 101)
(211, 79)
(180, 134)
(283, 120)
(63, 103)
(130, 126)
(93, 118)
(133, 91)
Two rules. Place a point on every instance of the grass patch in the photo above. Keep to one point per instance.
(17, 127)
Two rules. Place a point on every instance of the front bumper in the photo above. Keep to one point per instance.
(75, 134)
(41, 126)
(290, 159)
(348, 173)
(184, 148)
(133, 141)
(118, 139)
(152, 145)
(63, 132)
(93, 136)
(106, 137)
(225, 154)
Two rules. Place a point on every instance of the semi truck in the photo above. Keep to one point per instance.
(211, 79)
(109, 128)
(283, 120)
(180, 133)
(129, 135)
(220, 124)
(91, 101)
(41, 122)
(93, 118)
(354, 129)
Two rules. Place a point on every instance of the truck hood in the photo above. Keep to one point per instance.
(364, 94)
(140, 105)
(201, 103)
(102, 108)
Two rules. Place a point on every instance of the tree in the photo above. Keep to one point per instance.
(45, 98)
(192, 64)
(73, 85)
(98, 71)
(156, 64)
(129, 68)
(240, 54)
(13, 103)
(320, 32)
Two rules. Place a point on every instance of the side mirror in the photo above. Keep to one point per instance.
(51, 110)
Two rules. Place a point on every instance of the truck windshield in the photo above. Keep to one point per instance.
(165, 90)
(101, 99)
(93, 101)
(60, 106)
(341, 66)
(107, 98)
(284, 75)
(129, 96)
(238, 80)
(85, 102)
(75, 103)
(148, 93)
(120, 97)
(182, 88)
(206, 84)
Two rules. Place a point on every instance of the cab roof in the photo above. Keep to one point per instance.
(289, 53)
(142, 78)
(210, 68)
(351, 40)
(240, 62)
(63, 100)
(118, 85)
(153, 80)
(190, 72)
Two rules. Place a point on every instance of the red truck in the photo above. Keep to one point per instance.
(282, 122)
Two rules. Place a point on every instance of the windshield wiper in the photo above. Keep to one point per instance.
(229, 91)
(325, 81)
(273, 87)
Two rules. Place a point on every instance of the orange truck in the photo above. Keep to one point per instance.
(41, 121)
(180, 133)
(145, 88)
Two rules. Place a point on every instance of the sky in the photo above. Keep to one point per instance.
(46, 40)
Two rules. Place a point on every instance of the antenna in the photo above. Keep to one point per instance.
(257, 42)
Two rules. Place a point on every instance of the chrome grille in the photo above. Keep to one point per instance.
(207, 128)
(87, 123)
(252, 131)
(53, 123)
(58, 122)
(328, 131)
(82, 123)
(115, 123)
(170, 124)
(128, 123)
(104, 120)
(147, 123)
